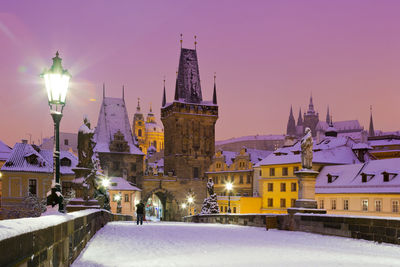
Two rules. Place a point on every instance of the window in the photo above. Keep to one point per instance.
(270, 187)
(126, 196)
(241, 179)
(346, 204)
(283, 203)
(270, 202)
(234, 209)
(133, 167)
(321, 204)
(216, 179)
(293, 202)
(386, 177)
(222, 209)
(395, 206)
(285, 171)
(364, 204)
(139, 132)
(226, 209)
(295, 169)
(293, 187)
(232, 179)
(283, 187)
(140, 123)
(272, 172)
(333, 204)
(195, 172)
(364, 178)
(66, 142)
(378, 205)
(33, 187)
(248, 181)
(113, 198)
(115, 165)
(65, 162)
(260, 173)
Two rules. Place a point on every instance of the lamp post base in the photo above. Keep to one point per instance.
(56, 198)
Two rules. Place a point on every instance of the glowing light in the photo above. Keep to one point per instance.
(92, 100)
(229, 186)
(105, 182)
(183, 205)
(190, 200)
(1, 174)
(117, 197)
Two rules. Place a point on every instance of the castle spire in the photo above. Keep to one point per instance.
(328, 117)
(215, 89)
(123, 92)
(371, 124)
(164, 99)
(311, 106)
(104, 90)
(300, 119)
(291, 126)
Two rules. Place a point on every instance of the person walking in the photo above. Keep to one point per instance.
(139, 212)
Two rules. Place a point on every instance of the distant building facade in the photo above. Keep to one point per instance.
(261, 142)
(147, 132)
(371, 188)
(68, 142)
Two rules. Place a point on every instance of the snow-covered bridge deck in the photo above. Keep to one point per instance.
(186, 244)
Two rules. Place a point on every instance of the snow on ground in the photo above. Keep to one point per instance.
(186, 244)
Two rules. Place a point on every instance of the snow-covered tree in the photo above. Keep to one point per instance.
(210, 204)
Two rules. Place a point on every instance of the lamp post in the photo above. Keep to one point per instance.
(190, 201)
(229, 187)
(56, 81)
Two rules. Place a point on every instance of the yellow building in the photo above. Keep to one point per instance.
(385, 147)
(30, 169)
(275, 179)
(236, 168)
(5, 152)
(127, 195)
(147, 133)
(371, 188)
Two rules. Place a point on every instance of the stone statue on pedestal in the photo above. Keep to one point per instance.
(306, 150)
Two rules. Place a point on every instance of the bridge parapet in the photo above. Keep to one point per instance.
(54, 240)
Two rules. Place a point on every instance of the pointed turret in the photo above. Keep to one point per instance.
(215, 90)
(311, 107)
(104, 90)
(150, 116)
(164, 99)
(123, 92)
(188, 80)
(328, 119)
(300, 119)
(371, 131)
(291, 126)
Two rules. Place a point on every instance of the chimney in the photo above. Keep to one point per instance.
(24, 141)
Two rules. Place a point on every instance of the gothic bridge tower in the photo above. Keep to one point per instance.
(189, 122)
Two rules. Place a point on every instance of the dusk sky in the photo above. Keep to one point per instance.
(267, 56)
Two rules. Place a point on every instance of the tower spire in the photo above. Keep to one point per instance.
(138, 105)
(291, 126)
(195, 42)
(104, 90)
(311, 106)
(164, 99)
(123, 92)
(300, 119)
(215, 89)
(371, 124)
(328, 117)
(181, 41)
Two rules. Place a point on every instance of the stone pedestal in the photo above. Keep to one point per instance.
(306, 197)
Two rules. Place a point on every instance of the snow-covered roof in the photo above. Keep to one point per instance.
(349, 178)
(153, 127)
(361, 146)
(4, 151)
(113, 117)
(251, 138)
(331, 150)
(384, 142)
(19, 154)
(256, 155)
(118, 183)
(340, 125)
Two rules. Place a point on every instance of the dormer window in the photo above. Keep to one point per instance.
(365, 177)
(332, 178)
(32, 159)
(65, 162)
(387, 176)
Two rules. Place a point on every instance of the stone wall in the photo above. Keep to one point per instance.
(57, 245)
(259, 220)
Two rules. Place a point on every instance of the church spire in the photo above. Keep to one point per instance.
(328, 117)
(291, 126)
(215, 90)
(123, 92)
(311, 106)
(138, 106)
(300, 119)
(371, 125)
(104, 90)
(164, 99)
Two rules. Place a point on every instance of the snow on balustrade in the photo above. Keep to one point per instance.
(180, 244)
(15, 227)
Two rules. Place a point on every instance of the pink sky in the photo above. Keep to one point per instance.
(267, 55)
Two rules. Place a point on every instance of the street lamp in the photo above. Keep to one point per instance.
(229, 187)
(190, 201)
(56, 80)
